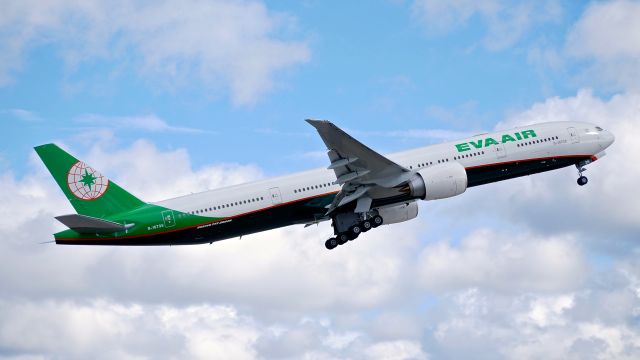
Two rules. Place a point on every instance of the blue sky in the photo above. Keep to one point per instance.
(380, 71)
(183, 96)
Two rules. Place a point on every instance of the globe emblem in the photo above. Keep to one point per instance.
(85, 182)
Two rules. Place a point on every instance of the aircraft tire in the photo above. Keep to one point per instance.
(342, 238)
(377, 221)
(354, 232)
(366, 226)
(331, 244)
(582, 180)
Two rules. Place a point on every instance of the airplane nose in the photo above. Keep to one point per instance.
(606, 139)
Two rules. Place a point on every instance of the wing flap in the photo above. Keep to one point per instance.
(89, 224)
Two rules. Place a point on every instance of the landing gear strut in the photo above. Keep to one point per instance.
(350, 225)
(582, 180)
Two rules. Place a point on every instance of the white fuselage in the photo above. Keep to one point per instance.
(552, 140)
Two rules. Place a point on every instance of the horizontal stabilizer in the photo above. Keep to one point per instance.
(88, 224)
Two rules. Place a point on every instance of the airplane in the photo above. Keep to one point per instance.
(359, 190)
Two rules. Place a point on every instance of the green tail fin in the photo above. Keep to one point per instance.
(89, 192)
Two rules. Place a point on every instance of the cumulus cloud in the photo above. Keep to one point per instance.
(155, 175)
(234, 45)
(503, 262)
(506, 22)
(396, 350)
(528, 326)
(281, 294)
(105, 329)
(549, 198)
(608, 37)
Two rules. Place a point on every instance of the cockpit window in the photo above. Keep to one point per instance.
(599, 128)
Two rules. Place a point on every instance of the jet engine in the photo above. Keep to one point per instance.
(399, 213)
(438, 182)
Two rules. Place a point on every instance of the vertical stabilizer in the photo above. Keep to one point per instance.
(89, 192)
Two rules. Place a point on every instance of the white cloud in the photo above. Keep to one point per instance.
(222, 44)
(262, 273)
(530, 326)
(24, 115)
(396, 350)
(155, 175)
(545, 311)
(487, 291)
(608, 35)
(504, 262)
(106, 330)
(103, 329)
(506, 22)
(150, 122)
(548, 198)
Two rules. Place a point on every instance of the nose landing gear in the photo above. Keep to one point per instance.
(582, 180)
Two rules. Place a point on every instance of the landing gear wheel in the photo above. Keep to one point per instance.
(366, 225)
(354, 232)
(331, 243)
(342, 238)
(377, 221)
(582, 180)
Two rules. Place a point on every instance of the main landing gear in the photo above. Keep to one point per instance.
(358, 225)
(582, 180)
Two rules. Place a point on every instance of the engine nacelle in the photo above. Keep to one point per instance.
(398, 213)
(439, 181)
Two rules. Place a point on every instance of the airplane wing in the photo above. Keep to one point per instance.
(358, 168)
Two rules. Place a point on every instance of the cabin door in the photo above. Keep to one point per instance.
(500, 151)
(573, 135)
(275, 195)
